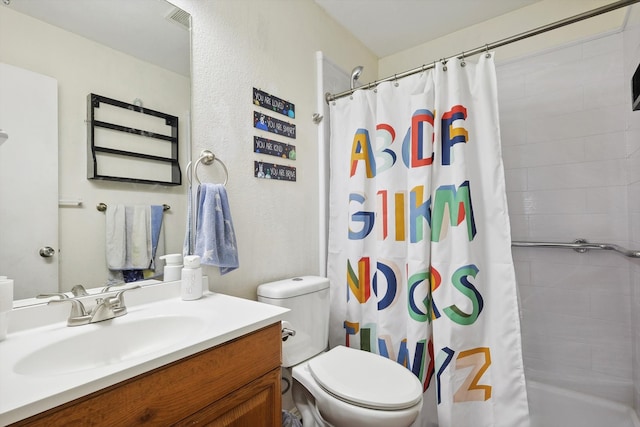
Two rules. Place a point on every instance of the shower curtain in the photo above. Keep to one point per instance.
(419, 241)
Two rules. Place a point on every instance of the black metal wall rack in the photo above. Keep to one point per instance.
(97, 152)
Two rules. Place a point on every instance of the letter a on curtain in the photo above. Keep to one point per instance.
(419, 243)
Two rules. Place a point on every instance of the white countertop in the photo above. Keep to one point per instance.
(23, 395)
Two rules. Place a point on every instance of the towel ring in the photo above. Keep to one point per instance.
(206, 158)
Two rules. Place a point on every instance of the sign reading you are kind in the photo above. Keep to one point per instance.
(264, 122)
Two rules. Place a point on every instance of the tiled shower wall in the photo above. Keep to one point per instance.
(631, 61)
(563, 117)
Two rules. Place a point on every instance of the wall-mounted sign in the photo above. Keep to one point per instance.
(269, 124)
(274, 148)
(272, 171)
(273, 103)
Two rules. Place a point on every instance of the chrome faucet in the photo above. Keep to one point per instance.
(103, 310)
(106, 308)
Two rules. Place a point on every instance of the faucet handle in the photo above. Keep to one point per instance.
(60, 295)
(119, 307)
(78, 315)
(79, 291)
(111, 285)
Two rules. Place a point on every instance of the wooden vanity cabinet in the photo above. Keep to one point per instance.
(234, 384)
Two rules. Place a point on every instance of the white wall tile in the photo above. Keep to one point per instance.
(565, 150)
(605, 146)
(531, 155)
(602, 45)
(578, 175)
(614, 360)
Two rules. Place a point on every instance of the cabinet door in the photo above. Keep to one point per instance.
(234, 384)
(255, 405)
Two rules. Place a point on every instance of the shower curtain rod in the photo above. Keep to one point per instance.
(545, 28)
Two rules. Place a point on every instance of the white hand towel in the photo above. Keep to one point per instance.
(116, 237)
(128, 237)
(138, 237)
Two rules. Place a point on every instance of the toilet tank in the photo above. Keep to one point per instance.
(308, 299)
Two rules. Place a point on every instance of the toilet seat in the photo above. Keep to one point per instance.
(366, 379)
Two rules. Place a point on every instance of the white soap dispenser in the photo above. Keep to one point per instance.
(191, 287)
(172, 267)
(6, 303)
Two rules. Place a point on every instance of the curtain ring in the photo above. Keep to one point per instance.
(444, 64)
(486, 51)
(463, 63)
(395, 80)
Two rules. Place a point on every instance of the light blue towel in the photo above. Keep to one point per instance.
(187, 247)
(157, 214)
(215, 236)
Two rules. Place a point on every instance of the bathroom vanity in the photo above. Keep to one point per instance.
(219, 367)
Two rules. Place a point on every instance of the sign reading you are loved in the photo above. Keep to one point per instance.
(273, 103)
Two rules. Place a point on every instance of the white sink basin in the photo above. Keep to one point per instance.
(46, 364)
(108, 343)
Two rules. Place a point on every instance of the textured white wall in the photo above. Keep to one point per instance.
(538, 14)
(271, 45)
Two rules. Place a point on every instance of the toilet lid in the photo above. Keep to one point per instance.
(366, 379)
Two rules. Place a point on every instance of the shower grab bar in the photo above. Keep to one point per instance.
(579, 245)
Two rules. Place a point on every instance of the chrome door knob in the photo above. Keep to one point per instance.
(47, 252)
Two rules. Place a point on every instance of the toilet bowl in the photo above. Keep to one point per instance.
(355, 388)
(342, 387)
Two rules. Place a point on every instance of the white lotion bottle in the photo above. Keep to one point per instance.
(172, 267)
(191, 286)
(6, 304)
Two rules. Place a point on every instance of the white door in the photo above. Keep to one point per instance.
(29, 181)
(330, 79)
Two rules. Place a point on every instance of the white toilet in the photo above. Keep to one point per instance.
(342, 387)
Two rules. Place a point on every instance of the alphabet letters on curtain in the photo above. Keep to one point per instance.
(419, 243)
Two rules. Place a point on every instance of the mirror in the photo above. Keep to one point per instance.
(137, 52)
